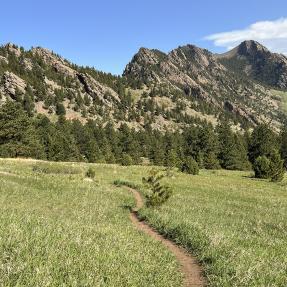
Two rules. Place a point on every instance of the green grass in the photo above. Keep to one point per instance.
(235, 224)
(62, 229)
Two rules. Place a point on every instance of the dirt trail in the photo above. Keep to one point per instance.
(189, 267)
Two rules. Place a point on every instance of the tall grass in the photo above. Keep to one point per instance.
(58, 230)
(62, 230)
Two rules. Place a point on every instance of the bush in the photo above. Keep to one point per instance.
(269, 167)
(261, 167)
(276, 167)
(190, 166)
(157, 193)
(211, 161)
(126, 160)
(90, 173)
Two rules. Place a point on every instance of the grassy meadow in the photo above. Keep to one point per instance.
(59, 228)
(235, 224)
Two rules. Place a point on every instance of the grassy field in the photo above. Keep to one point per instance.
(58, 228)
(235, 224)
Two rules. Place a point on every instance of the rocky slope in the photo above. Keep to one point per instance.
(256, 61)
(209, 78)
(187, 86)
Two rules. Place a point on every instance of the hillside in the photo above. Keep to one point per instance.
(188, 86)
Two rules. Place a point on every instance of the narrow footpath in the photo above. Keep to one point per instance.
(190, 269)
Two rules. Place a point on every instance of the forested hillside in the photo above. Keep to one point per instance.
(189, 109)
(189, 86)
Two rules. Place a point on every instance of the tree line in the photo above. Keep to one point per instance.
(23, 135)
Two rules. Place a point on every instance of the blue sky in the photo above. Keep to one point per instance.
(106, 34)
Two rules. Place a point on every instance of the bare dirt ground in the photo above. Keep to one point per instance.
(191, 270)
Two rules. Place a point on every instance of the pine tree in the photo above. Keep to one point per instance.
(18, 136)
(277, 169)
(262, 142)
(208, 144)
(172, 159)
(283, 143)
(232, 150)
(261, 167)
(190, 166)
(28, 101)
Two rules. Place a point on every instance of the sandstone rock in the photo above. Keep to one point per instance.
(96, 89)
(11, 82)
(55, 61)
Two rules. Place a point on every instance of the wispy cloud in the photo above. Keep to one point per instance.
(272, 34)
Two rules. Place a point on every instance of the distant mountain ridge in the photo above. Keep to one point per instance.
(186, 86)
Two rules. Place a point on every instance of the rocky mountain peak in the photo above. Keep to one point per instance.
(257, 62)
(193, 54)
(251, 47)
(146, 56)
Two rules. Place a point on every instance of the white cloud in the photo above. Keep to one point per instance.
(272, 34)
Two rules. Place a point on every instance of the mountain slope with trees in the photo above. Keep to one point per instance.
(187, 109)
(186, 87)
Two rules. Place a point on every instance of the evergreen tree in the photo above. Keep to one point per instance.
(209, 146)
(62, 145)
(60, 109)
(232, 150)
(18, 136)
(126, 159)
(28, 101)
(262, 142)
(190, 166)
(93, 152)
(283, 143)
(172, 159)
(277, 169)
(261, 167)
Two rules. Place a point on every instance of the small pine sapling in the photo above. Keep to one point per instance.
(157, 192)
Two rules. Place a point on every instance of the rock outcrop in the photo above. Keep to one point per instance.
(11, 83)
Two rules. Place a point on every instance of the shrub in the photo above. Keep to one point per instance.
(211, 161)
(276, 167)
(90, 173)
(261, 167)
(190, 166)
(157, 193)
(126, 159)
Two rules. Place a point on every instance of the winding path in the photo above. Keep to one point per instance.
(189, 267)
